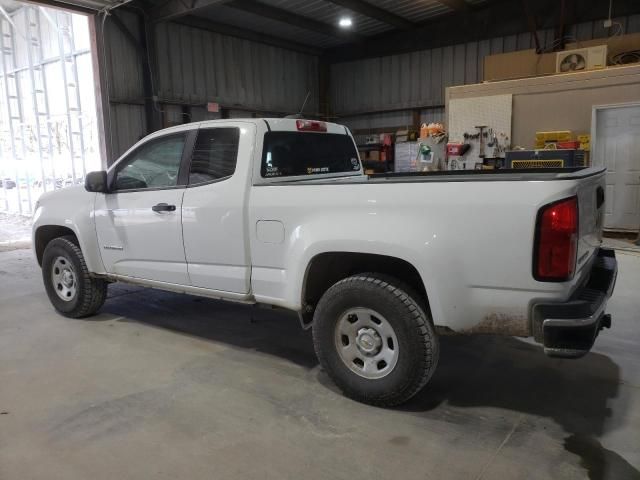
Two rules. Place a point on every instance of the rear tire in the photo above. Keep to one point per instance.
(374, 339)
(71, 289)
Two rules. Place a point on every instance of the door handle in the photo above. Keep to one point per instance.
(599, 197)
(163, 207)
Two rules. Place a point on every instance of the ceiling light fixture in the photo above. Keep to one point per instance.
(345, 22)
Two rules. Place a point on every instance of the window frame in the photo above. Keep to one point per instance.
(262, 180)
(189, 141)
(193, 146)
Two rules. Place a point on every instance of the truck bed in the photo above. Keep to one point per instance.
(505, 175)
(492, 175)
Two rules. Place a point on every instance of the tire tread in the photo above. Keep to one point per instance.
(94, 289)
(422, 327)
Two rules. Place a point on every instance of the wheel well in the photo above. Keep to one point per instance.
(46, 233)
(328, 268)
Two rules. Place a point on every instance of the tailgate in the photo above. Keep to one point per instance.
(591, 191)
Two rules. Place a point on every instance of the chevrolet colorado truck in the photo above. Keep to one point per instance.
(279, 212)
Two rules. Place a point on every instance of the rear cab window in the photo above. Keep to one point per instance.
(215, 155)
(294, 154)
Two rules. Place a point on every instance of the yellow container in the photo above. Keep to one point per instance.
(585, 138)
(554, 136)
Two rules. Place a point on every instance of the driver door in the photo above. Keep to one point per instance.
(139, 222)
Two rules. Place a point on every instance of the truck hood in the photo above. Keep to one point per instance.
(72, 192)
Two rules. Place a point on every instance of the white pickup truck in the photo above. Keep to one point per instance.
(279, 212)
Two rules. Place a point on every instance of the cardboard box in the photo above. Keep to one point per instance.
(406, 136)
(520, 64)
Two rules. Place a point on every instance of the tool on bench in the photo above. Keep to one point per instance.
(482, 134)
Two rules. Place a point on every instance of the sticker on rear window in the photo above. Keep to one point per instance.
(311, 170)
(272, 171)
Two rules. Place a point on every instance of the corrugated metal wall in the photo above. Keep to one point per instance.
(418, 80)
(197, 66)
(126, 120)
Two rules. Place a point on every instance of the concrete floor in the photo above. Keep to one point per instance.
(167, 386)
(15, 232)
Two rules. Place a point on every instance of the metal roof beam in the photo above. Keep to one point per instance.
(456, 5)
(69, 7)
(369, 10)
(174, 9)
(223, 29)
(285, 16)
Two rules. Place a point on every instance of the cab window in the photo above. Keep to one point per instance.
(214, 155)
(155, 164)
(287, 154)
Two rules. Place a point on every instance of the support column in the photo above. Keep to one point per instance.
(103, 109)
(147, 52)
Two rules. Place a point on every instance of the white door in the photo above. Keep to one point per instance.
(139, 223)
(214, 212)
(617, 146)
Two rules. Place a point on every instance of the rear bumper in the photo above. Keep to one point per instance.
(569, 329)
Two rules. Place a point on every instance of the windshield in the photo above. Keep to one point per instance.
(288, 154)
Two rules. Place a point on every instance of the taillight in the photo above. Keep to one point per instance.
(311, 126)
(556, 241)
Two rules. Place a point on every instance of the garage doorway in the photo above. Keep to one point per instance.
(48, 123)
(616, 145)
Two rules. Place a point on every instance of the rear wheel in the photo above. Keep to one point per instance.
(70, 287)
(374, 339)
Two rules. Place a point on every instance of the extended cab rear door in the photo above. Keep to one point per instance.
(214, 208)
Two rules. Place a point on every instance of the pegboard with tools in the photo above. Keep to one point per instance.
(483, 126)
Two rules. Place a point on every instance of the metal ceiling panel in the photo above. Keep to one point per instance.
(323, 11)
(413, 10)
(330, 13)
(249, 21)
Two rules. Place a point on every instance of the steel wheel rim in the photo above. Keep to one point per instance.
(366, 343)
(63, 278)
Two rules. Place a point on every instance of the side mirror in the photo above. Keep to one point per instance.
(96, 182)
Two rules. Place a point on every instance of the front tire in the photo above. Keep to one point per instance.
(71, 289)
(374, 339)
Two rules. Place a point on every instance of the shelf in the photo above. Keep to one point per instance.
(381, 166)
(370, 146)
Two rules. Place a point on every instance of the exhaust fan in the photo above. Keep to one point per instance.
(581, 59)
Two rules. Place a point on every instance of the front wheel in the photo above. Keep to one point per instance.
(70, 287)
(374, 339)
